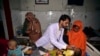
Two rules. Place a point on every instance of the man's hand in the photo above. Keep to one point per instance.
(70, 47)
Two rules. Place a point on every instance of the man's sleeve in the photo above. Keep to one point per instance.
(54, 41)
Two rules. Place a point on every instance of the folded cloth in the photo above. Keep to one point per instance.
(42, 49)
(26, 49)
(36, 53)
(34, 47)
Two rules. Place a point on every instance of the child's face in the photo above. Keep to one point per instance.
(12, 45)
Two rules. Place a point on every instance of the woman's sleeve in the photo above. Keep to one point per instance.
(38, 27)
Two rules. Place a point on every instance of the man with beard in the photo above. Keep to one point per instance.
(54, 34)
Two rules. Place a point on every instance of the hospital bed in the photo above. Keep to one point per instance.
(90, 49)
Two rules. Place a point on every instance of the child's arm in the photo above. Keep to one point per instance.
(27, 50)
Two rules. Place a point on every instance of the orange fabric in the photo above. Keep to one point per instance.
(78, 39)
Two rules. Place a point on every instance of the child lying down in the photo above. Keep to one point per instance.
(73, 51)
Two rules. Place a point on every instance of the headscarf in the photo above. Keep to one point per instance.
(78, 39)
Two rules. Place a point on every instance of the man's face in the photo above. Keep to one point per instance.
(65, 23)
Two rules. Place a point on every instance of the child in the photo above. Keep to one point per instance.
(13, 49)
(72, 52)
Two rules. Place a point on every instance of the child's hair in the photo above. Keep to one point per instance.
(12, 40)
(78, 52)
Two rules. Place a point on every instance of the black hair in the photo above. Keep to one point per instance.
(64, 17)
(78, 52)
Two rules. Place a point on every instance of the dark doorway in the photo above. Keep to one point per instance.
(2, 34)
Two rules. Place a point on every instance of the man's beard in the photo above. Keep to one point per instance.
(64, 26)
